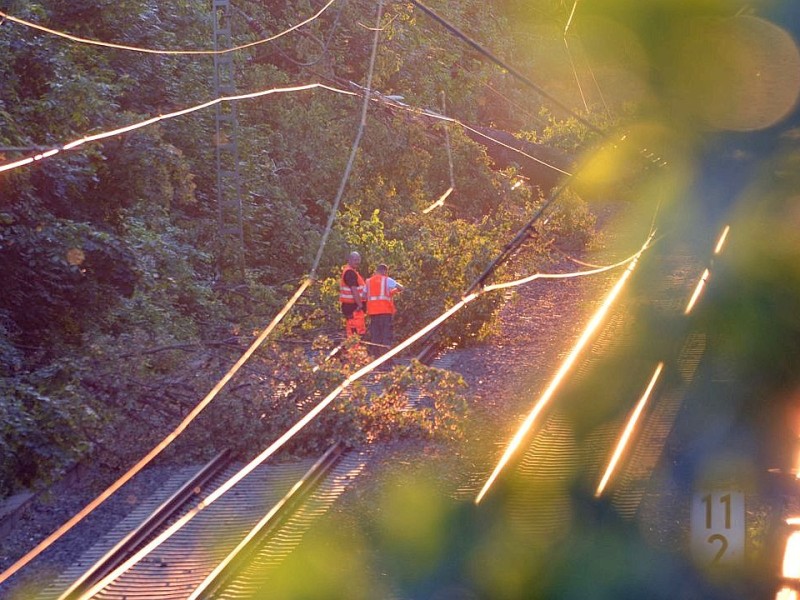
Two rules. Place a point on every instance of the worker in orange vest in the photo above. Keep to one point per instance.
(380, 307)
(352, 296)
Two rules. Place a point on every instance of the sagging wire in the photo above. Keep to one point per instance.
(114, 132)
(520, 77)
(469, 297)
(439, 202)
(572, 259)
(528, 114)
(309, 417)
(594, 271)
(388, 101)
(569, 55)
(92, 42)
(594, 78)
(594, 323)
(218, 387)
(121, 130)
(148, 458)
(508, 68)
(452, 187)
(517, 150)
(256, 27)
(575, 73)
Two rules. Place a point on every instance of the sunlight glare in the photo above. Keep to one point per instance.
(569, 361)
(697, 291)
(791, 557)
(626, 435)
(721, 242)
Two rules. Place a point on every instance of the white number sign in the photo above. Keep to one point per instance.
(717, 525)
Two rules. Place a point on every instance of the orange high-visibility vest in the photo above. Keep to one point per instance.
(345, 293)
(379, 297)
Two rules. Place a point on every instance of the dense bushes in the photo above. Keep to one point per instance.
(114, 313)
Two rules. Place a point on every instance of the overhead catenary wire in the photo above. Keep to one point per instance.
(155, 451)
(387, 101)
(575, 73)
(325, 45)
(152, 120)
(594, 78)
(527, 424)
(569, 54)
(316, 410)
(354, 148)
(465, 300)
(171, 115)
(511, 70)
(49, 540)
(448, 191)
(571, 15)
(588, 64)
(77, 143)
(520, 77)
(113, 45)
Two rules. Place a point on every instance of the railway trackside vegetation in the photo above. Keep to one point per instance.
(115, 315)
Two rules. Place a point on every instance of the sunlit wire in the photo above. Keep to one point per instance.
(156, 51)
(517, 150)
(508, 68)
(278, 318)
(721, 241)
(575, 72)
(594, 271)
(268, 452)
(566, 365)
(440, 201)
(519, 76)
(573, 259)
(571, 15)
(354, 149)
(44, 544)
(383, 99)
(95, 137)
(443, 197)
(114, 132)
(697, 291)
(300, 425)
(253, 24)
(594, 78)
(628, 432)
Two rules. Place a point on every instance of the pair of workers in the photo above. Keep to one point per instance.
(373, 297)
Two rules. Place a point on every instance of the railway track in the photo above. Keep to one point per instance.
(284, 498)
(566, 448)
(578, 442)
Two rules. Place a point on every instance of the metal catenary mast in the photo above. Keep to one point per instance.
(230, 234)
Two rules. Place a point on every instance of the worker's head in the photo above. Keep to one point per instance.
(354, 259)
(382, 269)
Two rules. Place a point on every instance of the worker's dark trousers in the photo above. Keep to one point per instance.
(380, 334)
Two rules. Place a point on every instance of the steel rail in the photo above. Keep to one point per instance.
(232, 564)
(127, 545)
